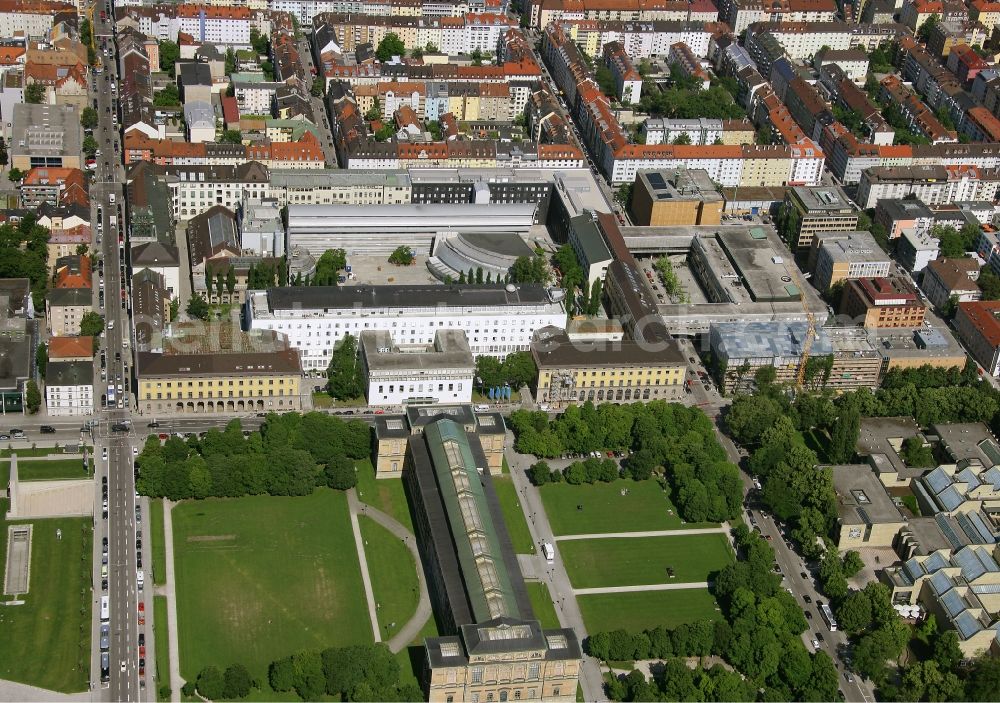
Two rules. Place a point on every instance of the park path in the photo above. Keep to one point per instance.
(423, 613)
(173, 651)
(647, 533)
(359, 544)
(13, 691)
(553, 575)
(636, 589)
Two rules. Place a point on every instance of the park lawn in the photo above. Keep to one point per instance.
(635, 561)
(393, 573)
(604, 509)
(388, 494)
(42, 451)
(261, 577)
(411, 659)
(4, 474)
(513, 515)
(46, 641)
(157, 541)
(645, 610)
(541, 603)
(162, 639)
(48, 470)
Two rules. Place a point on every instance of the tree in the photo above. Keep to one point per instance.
(260, 43)
(89, 146)
(34, 93)
(15, 175)
(32, 397)
(401, 256)
(915, 454)
(854, 613)
(539, 474)
(88, 118)
(477, 57)
(237, 682)
(844, 435)
(318, 88)
(169, 53)
(594, 306)
(925, 29)
(197, 307)
(41, 359)
(91, 324)
(989, 283)
(605, 81)
(383, 133)
(175, 307)
(232, 136)
(852, 564)
(566, 261)
(682, 139)
(519, 369)
(344, 374)
(210, 683)
(231, 280)
(168, 97)
(391, 45)
(528, 269)
(489, 371)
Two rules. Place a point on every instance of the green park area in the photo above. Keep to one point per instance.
(46, 641)
(513, 515)
(601, 508)
(643, 610)
(388, 495)
(52, 469)
(541, 602)
(633, 561)
(157, 541)
(393, 574)
(262, 577)
(161, 637)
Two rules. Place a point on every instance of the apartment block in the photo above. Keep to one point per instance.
(809, 211)
(875, 303)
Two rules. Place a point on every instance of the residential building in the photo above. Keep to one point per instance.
(150, 309)
(853, 62)
(159, 258)
(442, 372)
(69, 388)
(809, 211)
(70, 348)
(55, 186)
(212, 239)
(917, 248)
(675, 197)
(866, 514)
(199, 121)
(933, 185)
(572, 372)
(628, 82)
(875, 303)
(689, 65)
(700, 130)
(495, 320)
(207, 370)
(740, 349)
(45, 136)
(261, 231)
(195, 79)
(73, 271)
(227, 26)
(65, 308)
(979, 329)
(838, 256)
(947, 279)
(897, 214)
(590, 248)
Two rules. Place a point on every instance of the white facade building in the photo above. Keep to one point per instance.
(69, 388)
(444, 371)
(495, 319)
(229, 26)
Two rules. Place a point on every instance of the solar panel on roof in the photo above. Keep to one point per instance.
(656, 180)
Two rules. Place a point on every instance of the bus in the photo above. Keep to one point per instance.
(105, 609)
(827, 614)
(111, 396)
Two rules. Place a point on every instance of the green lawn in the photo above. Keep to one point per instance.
(157, 541)
(645, 610)
(593, 563)
(513, 515)
(43, 451)
(4, 474)
(261, 577)
(388, 494)
(394, 576)
(601, 508)
(46, 641)
(162, 639)
(47, 470)
(322, 399)
(541, 602)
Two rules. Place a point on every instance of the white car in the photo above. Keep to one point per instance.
(104, 454)
(815, 644)
(135, 451)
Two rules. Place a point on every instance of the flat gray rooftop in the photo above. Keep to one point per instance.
(971, 440)
(861, 497)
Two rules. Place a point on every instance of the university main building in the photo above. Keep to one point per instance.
(495, 649)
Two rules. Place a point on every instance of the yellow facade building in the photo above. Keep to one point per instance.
(573, 372)
(216, 373)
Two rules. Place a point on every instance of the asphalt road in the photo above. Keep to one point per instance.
(121, 524)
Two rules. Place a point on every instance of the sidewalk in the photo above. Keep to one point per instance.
(637, 589)
(173, 652)
(647, 533)
(352, 502)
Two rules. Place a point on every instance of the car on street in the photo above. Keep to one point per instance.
(804, 575)
(123, 666)
(104, 453)
(849, 676)
(815, 644)
(807, 598)
(809, 615)
(819, 636)
(47, 429)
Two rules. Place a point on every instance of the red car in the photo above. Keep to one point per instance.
(142, 651)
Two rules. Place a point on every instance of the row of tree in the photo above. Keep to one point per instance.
(667, 438)
(291, 455)
(366, 672)
(590, 470)
(516, 370)
(24, 254)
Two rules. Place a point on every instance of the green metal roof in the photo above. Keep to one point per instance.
(487, 582)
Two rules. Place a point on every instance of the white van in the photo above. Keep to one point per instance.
(140, 579)
(482, 408)
(105, 609)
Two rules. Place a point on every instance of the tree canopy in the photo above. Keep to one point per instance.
(391, 45)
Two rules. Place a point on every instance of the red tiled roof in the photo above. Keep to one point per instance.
(70, 347)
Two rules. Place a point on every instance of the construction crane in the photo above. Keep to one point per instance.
(810, 329)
